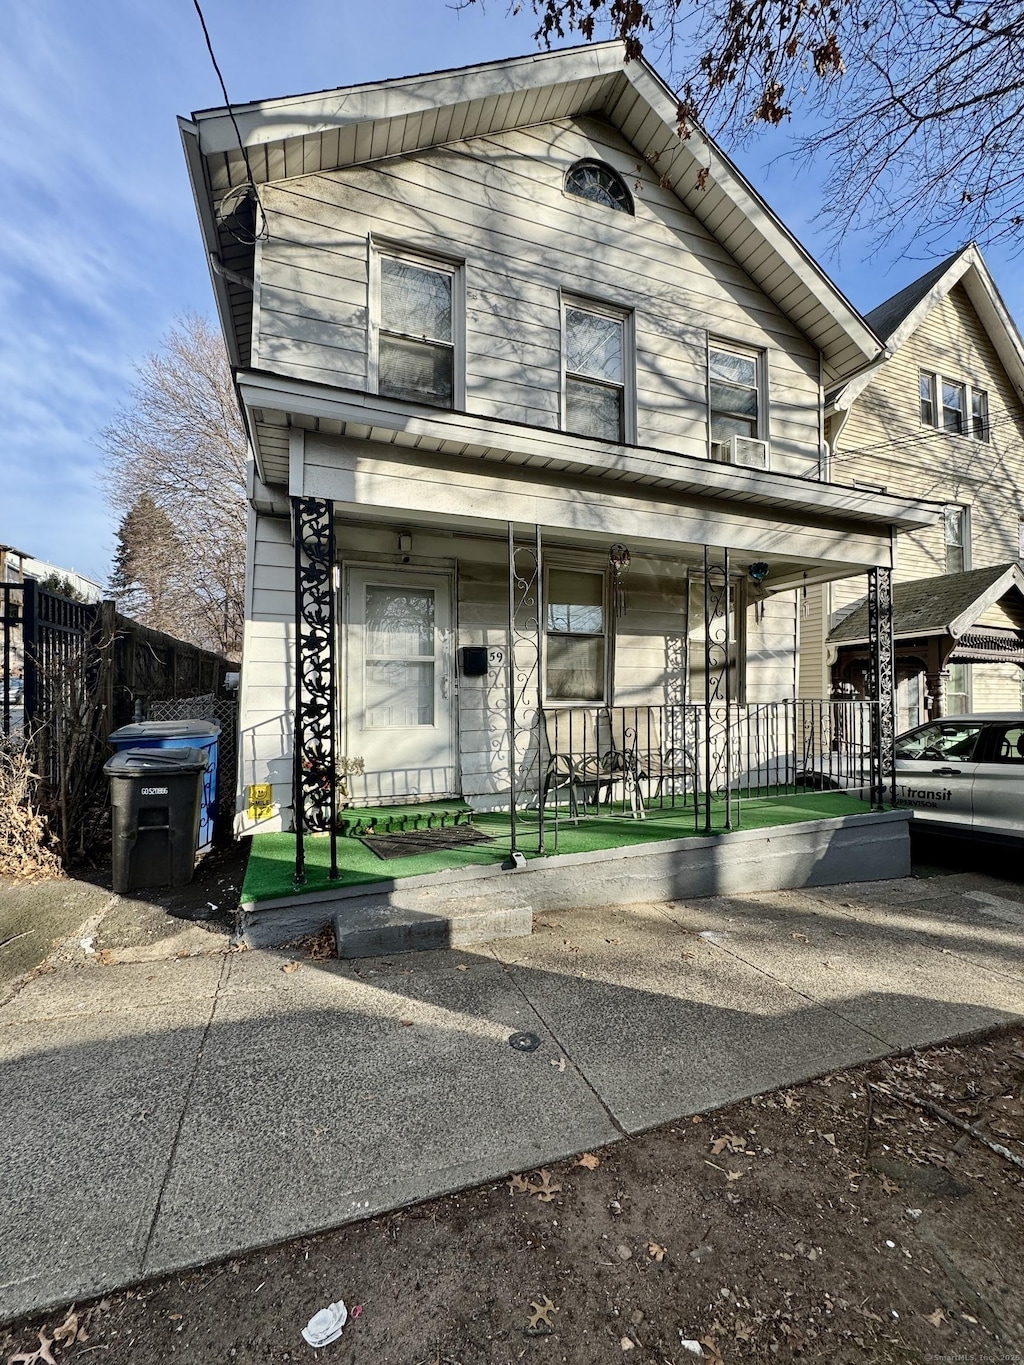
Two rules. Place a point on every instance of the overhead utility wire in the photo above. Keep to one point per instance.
(262, 217)
(900, 442)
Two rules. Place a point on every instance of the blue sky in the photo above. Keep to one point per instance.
(99, 248)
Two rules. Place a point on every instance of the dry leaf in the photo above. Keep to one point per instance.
(712, 1351)
(627, 1345)
(461, 967)
(547, 1189)
(590, 1161)
(542, 1312)
(291, 967)
(68, 1329)
(656, 1252)
(558, 1063)
(889, 1186)
(936, 1319)
(406, 1023)
(734, 1175)
(41, 1356)
(730, 1140)
(520, 1185)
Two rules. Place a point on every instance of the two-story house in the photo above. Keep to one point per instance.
(941, 418)
(535, 392)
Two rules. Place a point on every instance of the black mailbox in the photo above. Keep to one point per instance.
(473, 661)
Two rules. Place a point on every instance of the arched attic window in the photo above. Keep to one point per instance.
(597, 182)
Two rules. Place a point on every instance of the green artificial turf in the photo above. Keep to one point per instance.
(271, 868)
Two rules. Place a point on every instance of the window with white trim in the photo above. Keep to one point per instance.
(597, 370)
(953, 406)
(956, 533)
(416, 332)
(734, 388)
(576, 636)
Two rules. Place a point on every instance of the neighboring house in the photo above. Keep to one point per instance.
(942, 419)
(16, 566)
(504, 318)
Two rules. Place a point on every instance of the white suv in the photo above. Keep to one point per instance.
(965, 773)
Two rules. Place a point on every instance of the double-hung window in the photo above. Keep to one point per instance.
(417, 328)
(953, 406)
(735, 392)
(597, 372)
(576, 644)
(955, 527)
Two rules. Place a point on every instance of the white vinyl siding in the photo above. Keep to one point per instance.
(498, 202)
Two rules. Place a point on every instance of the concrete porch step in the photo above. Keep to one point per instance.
(378, 930)
(358, 820)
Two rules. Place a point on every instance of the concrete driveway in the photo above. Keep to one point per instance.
(168, 1111)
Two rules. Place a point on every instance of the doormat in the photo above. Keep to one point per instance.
(414, 841)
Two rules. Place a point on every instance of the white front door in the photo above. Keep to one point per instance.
(398, 691)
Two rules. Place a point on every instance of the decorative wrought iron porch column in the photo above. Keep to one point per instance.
(525, 627)
(314, 755)
(883, 712)
(717, 687)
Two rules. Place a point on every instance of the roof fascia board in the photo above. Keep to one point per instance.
(969, 266)
(741, 192)
(729, 482)
(1013, 577)
(201, 195)
(304, 115)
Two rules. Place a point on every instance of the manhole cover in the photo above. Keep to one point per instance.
(524, 1042)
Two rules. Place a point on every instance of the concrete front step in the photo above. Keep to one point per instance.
(440, 909)
(378, 930)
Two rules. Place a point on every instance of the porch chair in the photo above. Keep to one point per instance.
(636, 737)
(578, 754)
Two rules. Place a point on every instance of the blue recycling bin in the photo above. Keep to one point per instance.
(180, 734)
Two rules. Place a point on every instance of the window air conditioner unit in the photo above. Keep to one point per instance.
(742, 450)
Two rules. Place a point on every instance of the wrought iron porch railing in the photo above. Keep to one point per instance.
(629, 760)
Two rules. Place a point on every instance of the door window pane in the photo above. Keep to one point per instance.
(399, 622)
(399, 694)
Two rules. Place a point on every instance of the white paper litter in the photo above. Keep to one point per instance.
(325, 1326)
(694, 1347)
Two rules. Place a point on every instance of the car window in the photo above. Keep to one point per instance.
(1007, 744)
(950, 741)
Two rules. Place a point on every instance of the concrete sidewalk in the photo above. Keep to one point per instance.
(164, 1113)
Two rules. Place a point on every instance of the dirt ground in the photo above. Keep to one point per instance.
(830, 1222)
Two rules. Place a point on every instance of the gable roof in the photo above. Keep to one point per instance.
(899, 317)
(947, 604)
(331, 129)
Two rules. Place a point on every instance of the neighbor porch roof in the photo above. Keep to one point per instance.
(947, 604)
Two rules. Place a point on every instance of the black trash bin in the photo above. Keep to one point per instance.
(156, 802)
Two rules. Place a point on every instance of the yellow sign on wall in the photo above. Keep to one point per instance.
(261, 801)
